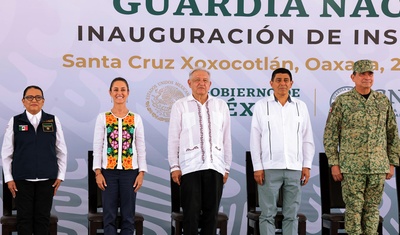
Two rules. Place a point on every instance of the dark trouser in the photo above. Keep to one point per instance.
(201, 193)
(34, 201)
(119, 193)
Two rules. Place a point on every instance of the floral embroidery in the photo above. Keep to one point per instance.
(113, 140)
(127, 162)
(111, 162)
(110, 119)
(129, 120)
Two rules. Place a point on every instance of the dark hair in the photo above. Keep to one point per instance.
(119, 79)
(281, 70)
(32, 87)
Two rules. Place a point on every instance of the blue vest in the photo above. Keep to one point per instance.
(34, 154)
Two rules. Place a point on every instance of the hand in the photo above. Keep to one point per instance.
(101, 181)
(56, 184)
(176, 176)
(139, 181)
(259, 177)
(336, 174)
(13, 188)
(226, 177)
(305, 176)
(391, 173)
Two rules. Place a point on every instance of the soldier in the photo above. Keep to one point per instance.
(362, 145)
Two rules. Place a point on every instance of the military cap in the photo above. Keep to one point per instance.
(362, 66)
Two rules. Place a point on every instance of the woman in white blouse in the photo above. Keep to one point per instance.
(119, 159)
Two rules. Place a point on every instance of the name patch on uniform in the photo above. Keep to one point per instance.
(23, 127)
(47, 127)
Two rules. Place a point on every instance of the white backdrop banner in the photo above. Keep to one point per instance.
(73, 49)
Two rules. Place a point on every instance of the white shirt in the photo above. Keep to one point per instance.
(34, 119)
(8, 148)
(100, 144)
(281, 137)
(199, 136)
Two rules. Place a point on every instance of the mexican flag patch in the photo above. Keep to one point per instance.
(23, 128)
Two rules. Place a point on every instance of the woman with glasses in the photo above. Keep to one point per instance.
(34, 158)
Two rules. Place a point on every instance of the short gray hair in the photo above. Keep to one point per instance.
(198, 69)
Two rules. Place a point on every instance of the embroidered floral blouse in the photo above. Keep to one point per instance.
(119, 142)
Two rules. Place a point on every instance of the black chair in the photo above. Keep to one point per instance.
(253, 212)
(95, 216)
(9, 218)
(177, 215)
(398, 191)
(332, 203)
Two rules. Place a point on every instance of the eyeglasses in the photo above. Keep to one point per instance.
(31, 97)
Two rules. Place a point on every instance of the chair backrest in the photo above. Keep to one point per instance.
(175, 197)
(94, 200)
(331, 191)
(252, 191)
(398, 191)
(8, 200)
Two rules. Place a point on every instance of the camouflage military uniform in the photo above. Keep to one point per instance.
(361, 137)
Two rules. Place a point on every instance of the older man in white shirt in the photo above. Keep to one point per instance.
(200, 152)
